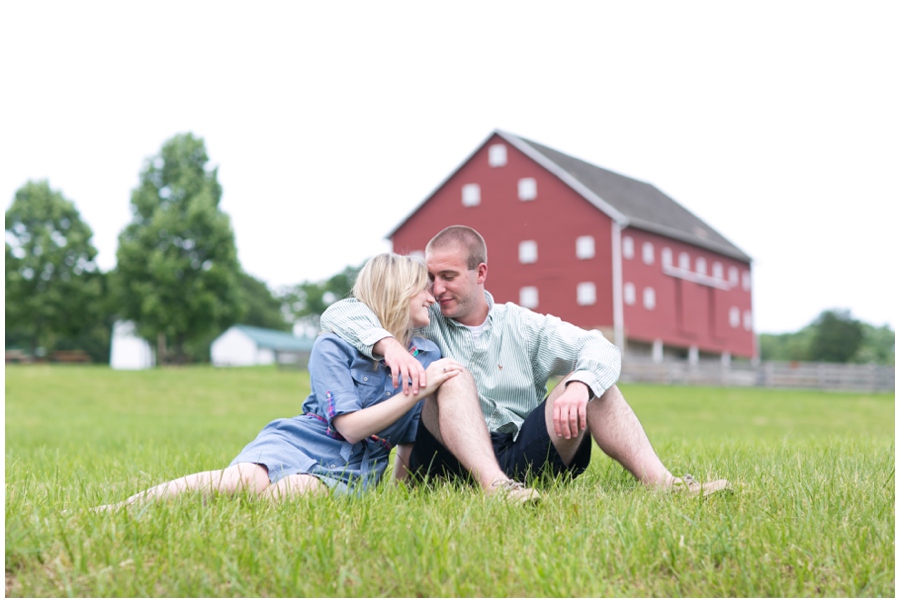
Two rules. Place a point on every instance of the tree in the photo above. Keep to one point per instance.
(305, 303)
(877, 346)
(53, 286)
(836, 337)
(178, 274)
(263, 309)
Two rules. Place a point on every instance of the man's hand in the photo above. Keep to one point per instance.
(404, 366)
(570, 410)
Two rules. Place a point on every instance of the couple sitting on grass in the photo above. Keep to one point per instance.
(479, 413)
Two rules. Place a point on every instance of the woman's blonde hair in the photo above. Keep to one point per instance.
(386, 284)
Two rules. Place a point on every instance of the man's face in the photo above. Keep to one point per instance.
(456, 289)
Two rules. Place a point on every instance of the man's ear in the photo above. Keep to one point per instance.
(482, 273)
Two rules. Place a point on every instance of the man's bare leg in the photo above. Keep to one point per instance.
(618, 432)
(453, 416)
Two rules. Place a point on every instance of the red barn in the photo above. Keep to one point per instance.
(595, 248)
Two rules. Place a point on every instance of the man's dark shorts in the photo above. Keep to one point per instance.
(530, 456)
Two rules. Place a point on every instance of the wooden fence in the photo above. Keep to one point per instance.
(802, 375)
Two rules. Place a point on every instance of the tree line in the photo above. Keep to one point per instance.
(834, 336)
(177, 274)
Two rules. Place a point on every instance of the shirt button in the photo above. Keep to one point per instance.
(365, 378)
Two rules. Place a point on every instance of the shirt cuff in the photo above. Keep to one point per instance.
(594, 387)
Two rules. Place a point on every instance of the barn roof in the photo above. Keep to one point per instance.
(628, 201)
(276, 340)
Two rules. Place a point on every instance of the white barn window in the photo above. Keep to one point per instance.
(734, 317)
(733, 275)
(528, 297)
(748, 320)
(528, 252)
(587, 294)
(627, 248)
(649, 298)
(471, 195)
(497, 155)
(527, 189)
(647, 252)
(701, 266)
(666, 256)
(684, 261)
(718, 272)
(584, 247)
(628, 293)
(745, 280)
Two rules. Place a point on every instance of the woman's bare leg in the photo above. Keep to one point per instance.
(294, 485)
(237, 478)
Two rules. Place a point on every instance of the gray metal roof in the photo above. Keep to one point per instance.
(628, 201)
(277, 340)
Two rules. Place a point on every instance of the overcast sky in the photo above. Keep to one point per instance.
(776, 122)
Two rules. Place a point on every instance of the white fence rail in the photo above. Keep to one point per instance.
(803, 375)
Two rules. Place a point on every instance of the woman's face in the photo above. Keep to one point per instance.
(418, 308)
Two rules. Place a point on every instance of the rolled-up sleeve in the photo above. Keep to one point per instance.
(355, 323)
(332, 381)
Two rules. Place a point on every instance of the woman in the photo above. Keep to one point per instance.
(352, 417)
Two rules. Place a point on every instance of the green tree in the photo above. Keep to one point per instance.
(836, 337)
(53, 286)
(178, 274)
(263, 309)
(877, 346)
(305, 303)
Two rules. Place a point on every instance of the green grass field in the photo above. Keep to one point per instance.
(814, 516)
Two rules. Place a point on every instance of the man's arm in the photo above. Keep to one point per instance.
(355, 323)
(593, 364)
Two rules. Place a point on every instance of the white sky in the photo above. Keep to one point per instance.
(776, 122)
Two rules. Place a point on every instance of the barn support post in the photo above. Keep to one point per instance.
(658, 351)
(618, 314)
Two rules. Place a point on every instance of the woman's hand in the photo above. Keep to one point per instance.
(440, 371)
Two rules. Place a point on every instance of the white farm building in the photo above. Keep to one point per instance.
(246, 346)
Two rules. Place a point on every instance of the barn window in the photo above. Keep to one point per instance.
(684, 261)
(627, 248)
(734, 317)
(587, 294)
(666, 256)
(718, 271)
(528, 297)
(701, 266)
(471, 195)
(628, 293)
(649, 298)
(497, 155)
(584, 247)
(527, 189)
(647, 251)
(748, 320)
(528, 252)
(733, 275)
(745, 280)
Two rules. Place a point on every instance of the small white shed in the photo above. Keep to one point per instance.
(128, 350)
(242, 345)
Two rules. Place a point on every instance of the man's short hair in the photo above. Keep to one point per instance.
(465, 237)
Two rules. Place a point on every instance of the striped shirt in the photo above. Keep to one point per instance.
(511, 360)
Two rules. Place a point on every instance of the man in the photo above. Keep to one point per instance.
(510, 353)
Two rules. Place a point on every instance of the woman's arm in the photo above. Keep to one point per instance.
(359, 425)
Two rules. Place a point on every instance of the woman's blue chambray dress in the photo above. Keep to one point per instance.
(343, 381)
